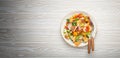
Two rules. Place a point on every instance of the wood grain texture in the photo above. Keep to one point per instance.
(31, 28)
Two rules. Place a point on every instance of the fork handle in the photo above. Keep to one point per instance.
(89, 46)
(92, 43)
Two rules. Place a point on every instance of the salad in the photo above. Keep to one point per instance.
(78, 28)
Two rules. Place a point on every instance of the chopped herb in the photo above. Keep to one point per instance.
(68, 31)
(78, 37)
(64, 32)
(87, 34)
(76, 19)
(70, 36)
(68, 20)
(74, 23)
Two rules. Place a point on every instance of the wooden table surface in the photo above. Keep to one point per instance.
(31, 28)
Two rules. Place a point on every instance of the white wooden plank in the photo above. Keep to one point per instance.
(31, 28)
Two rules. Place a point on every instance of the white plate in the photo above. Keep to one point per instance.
(64, 22)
